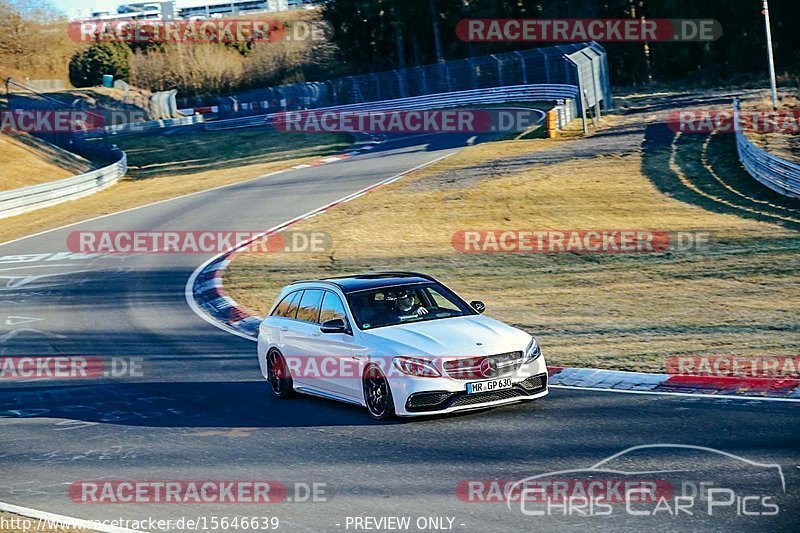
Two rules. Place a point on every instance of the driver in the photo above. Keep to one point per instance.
(404, 304)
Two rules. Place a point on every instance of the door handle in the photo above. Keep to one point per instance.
(316, 333)
(284, 328)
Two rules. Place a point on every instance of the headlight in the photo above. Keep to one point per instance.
(416, 367)
(533, 351)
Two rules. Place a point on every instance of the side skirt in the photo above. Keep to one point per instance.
(327, 395)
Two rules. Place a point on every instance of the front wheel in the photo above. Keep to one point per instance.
(377, 394)
(278, 376)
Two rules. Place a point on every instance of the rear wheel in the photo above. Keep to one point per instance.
(377, 394)
(278, 375)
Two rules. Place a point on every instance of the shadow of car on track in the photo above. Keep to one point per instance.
(177, 404)
(202, 404)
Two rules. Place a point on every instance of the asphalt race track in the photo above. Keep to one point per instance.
(202, 412)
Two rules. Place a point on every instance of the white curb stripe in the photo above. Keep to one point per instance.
(77, 523)
(687, 394)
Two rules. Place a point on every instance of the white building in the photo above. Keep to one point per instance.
(138, 11)
(186, 9)
(220, 8)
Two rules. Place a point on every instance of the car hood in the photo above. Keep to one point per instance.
(459, 336)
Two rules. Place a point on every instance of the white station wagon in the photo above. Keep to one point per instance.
(397, 343)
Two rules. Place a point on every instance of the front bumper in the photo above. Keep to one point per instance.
(432, 396)
(445, 402)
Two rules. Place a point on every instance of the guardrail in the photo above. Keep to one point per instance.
(18, 201)
(488, 96)
(586, 67)
(778, 174)
(134, 128)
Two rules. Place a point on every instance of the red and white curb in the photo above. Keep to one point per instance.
(205, 294)
(209, 294)
(363, 147)
(199, 110)
(640, 382)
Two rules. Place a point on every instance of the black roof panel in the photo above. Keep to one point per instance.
(376, 280)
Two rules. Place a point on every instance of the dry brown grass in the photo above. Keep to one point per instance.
(740, 295)
(782, 144)
(26, 160)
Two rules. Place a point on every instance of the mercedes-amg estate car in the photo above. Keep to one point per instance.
(398, 343)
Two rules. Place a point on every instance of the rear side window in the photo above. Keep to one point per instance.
(288, 306)
(309, 305)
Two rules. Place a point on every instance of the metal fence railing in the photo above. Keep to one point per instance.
(583, 65)
(778, 174)
(501, 95)
(17, 201)
(137, 128)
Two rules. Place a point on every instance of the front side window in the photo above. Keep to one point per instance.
(332, 308)
(389, 306)
(309, 305)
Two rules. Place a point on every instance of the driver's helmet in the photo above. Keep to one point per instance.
(405, 301)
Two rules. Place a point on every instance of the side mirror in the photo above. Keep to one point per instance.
(478, 305)
(336, 325)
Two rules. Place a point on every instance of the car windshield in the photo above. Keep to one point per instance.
(401, 304)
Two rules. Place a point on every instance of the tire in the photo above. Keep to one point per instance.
(279, 379)
(377, 394)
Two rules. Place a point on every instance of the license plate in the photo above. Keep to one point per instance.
(487, 386)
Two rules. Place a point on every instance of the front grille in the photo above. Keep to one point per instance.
(471, 367)
(420, 402)
(482, 397)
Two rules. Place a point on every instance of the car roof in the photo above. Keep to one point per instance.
(372, 280)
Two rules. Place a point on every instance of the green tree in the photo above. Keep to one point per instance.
(87, 67)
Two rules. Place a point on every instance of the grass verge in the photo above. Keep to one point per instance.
(26, 160)
(165, 157)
